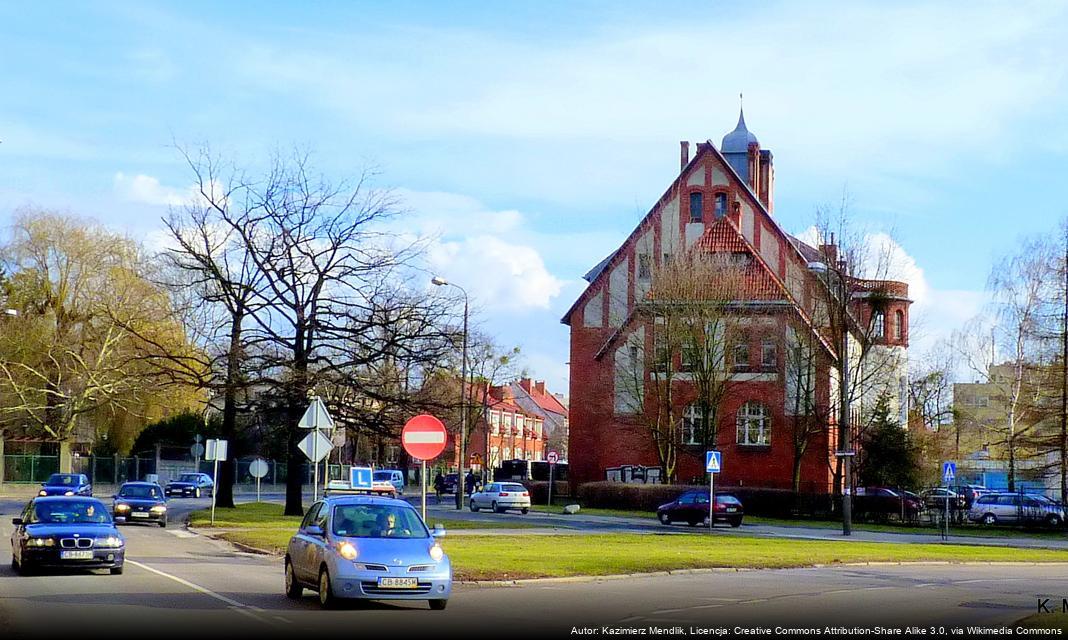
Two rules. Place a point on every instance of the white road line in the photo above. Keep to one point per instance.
(234, 604)
(178, 533)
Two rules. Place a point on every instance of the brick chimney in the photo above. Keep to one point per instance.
(539, 386)
(684, 154)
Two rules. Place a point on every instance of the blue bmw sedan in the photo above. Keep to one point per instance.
(370, 547)
(68, 532)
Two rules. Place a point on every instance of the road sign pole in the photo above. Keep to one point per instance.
(945, 530)
(711, 501)
(422, 482)
(257, 489)
(214, 475)
(549, 505)
(315, 463)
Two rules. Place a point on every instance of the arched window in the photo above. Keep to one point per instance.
(899, 324)
(696, 207)
(720, 204)
(754, 424)
(878, 324)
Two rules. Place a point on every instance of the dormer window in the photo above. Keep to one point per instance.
(721, 204)
(697, 207)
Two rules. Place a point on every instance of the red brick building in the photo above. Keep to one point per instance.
(505, 429)
(722, 202)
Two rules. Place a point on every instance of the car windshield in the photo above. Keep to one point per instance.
(386, 476)
(377, 521)
(188, 477)
(138, 491)
(62, 479)
(70, 512)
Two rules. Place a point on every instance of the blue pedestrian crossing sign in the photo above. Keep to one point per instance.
(712, 461)
(361, 477)
(949, 472)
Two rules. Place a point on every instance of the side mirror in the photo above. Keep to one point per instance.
(16, 521)
(315, 530)
(438, 532)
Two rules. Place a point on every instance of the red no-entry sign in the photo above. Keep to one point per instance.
(424, 437)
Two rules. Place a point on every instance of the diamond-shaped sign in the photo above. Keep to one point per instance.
(316, 417)
(315, 446)
(712, 461)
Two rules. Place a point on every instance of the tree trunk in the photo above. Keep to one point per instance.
(224, 484)
(298, 397)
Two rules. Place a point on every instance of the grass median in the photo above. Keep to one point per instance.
(499, 557)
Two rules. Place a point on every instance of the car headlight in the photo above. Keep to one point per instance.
(110, 542)
(437, 553)
(347, 550)
(69, 493)
(122, 507)
(42, 492)
(40, 542)
(158, 509)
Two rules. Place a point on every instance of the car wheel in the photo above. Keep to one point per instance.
(163, 523)
(524, 511)
(24, 568)
(327, 599)
(736, 522)
(116, 571)
(438, 605)
(1053, 521)
(293, 589)
(495, 508)
(196, 494)
(664, 518)
(474, 507)
(990, 519)
(694, 523)
(14, 564)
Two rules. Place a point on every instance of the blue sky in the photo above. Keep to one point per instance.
(531, 137)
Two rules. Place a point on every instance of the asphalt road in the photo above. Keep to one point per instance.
(180, 585)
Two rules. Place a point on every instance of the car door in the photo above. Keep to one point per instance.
(700, 506)
(687, 506)
(317, 544)
(298, 552)
(485, 497)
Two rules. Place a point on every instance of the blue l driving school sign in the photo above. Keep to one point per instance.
(713, 461)
(361, 477)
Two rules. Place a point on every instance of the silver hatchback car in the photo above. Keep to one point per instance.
(1015, 508)
(367, 547)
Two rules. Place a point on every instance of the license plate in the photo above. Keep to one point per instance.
(732, 509)
(398, 583)
(76, 554)
(139, 514)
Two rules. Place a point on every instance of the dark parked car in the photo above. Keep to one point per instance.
(140, 502)
(191, 485)
(450, 482)
(66, 484)
(881, 503)
(692, 507)
(72, 532)
(935, 499)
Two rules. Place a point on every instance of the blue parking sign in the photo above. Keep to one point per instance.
(949, 472)
(360, 477)
(713, 461)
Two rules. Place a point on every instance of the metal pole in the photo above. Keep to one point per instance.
(711, 501)
(945, 533)
(257, 488)
(315, 480)
(422, 482)
(549, 506)
(461, 483)
(214, 475)
(843, 420)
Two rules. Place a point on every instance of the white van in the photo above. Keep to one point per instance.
(392, 476)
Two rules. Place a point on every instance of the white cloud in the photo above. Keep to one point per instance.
(503, 276)
(148, 190)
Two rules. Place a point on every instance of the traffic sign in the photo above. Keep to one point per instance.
(257, 468)
(361, 477)
(476, 458)
(713, 461)
(316, 417)
(197, 450)
(949, 472)
(216, 450)
(315, 446)
(553, 457)
(424, 437)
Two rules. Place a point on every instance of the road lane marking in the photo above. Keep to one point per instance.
(181, 534)
(241, 608)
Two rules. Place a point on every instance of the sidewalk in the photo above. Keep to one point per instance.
(25, 491)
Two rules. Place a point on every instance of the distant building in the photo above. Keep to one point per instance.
(532, 396)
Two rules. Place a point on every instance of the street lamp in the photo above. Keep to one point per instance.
(844, 453)
(460, 480)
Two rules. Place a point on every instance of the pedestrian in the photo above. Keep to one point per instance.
(439, 485)
(469, 482)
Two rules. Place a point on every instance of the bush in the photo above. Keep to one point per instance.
(779, 503)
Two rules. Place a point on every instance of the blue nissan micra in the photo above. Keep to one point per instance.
(369, 547)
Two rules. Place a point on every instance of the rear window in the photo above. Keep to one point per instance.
(988, 500)
(727, 500)
(513, 487)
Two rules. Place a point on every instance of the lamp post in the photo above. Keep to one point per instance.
(461, 482)
(845, 452)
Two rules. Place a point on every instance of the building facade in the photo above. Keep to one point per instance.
(775, 417)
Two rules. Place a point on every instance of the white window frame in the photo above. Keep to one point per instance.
(691, 419)
(754, 424)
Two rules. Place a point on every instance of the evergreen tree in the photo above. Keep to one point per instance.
(888, 455)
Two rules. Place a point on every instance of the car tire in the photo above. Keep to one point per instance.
(438, 605)
(116, 571)
(196, 494)
(989, 519)
(163, 523)
(694, 523)
(327, 599)
(474, 507)
(736, 522)
(664, 518)
(1053, 521)
(496, 509)
(294, 591)
(25, 568)
(15, 565)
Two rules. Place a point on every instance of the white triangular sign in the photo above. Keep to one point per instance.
(316, 417)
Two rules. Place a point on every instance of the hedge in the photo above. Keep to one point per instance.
(647, 497)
